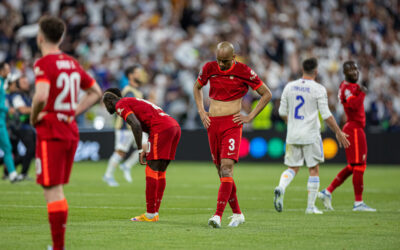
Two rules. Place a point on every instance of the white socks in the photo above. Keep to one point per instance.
(132, 160)
(312, 188)
(151, 215)
(115, 159)
(286, 177)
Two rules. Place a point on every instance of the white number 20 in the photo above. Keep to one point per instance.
(232, 146)
(69, 84)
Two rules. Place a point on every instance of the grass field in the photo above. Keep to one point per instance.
(99, 215)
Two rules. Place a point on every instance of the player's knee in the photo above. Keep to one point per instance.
(314, 171)
(226, 169)
(121, 153)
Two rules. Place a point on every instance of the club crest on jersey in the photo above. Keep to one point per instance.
(120, 111)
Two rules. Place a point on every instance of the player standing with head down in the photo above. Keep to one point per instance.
(59, 78)
(351, 96)
(300, 102)
(229, 82)
(164, 134)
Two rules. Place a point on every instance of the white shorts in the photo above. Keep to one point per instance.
(124, 139)
(295, 154)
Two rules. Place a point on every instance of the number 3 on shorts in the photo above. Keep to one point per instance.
(232, 146)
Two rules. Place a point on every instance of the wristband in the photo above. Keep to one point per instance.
(140, 150)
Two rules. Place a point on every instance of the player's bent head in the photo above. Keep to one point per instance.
(110, 97)
(52, 28)
(310, 65)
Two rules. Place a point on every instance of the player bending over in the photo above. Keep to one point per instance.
(300, 102)
(123, 136)
(229, 82)
(59, 78)
(351, 95)
(164, 133)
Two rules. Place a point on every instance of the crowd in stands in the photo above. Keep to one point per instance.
(173, 39)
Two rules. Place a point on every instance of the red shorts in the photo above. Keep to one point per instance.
(163, 144)
(356, 153)
(224, 137)
(54, 159)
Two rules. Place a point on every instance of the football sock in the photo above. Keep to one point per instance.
(151, 189)
(233, 201)
(340, 178)
(160, 188)
(312, 188)
(358, 182)
(356, 203)
(286, 177)
(115, 159)
(58, 212)
(132, 159)
(151, 215)
(225, 190)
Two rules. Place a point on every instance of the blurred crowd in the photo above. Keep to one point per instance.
(173, 39)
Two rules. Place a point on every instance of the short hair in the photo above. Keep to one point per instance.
(347, 63)
(131, 69)
(53, 28)
(309, 65)
(114, 91)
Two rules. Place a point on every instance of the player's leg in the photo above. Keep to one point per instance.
(293, 159)
(57, 209)
(314, 154)
(121, 147)
(5, 145)
(359, 168)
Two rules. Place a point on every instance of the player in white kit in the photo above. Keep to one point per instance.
(300, 102)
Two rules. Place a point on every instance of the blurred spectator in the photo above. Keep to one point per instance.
(172, 39)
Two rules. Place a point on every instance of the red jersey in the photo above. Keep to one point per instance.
(65, 77)
(352, 98)
(151, 117)
(231, 84)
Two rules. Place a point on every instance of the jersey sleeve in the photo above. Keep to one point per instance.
(283, 107)
(323, 107)
(353, 98)
(204, 74)
(41, 75)
(252, 79)
(86, 80)
(123, 110)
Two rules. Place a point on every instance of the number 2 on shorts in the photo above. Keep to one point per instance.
(296, 110)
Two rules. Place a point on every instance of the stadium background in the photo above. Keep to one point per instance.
(173, 39)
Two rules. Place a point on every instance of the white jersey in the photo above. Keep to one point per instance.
(300, 102)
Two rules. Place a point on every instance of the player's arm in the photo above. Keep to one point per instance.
(198, 97)
(330, 120)
(137, 133)
(19, 104)
(93, 95)
(39, 101)
(355, 100)
(266, 96)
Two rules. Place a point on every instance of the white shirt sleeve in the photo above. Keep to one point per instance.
(323, 104)
(18, 102)
(283, 107)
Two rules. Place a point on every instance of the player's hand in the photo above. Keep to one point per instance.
(240, 119)
(205, 119)
(34, 120)
(142, 157)
(342, 139)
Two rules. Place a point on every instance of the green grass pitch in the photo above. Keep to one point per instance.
(99, 215)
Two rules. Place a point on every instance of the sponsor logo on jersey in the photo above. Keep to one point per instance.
(120, 111)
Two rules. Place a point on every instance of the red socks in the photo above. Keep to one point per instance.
(340, 178)
(58, 212)
(225, 190)
(358, 181)
(155, 186)
(233, 202)
(160, 188)
(151, 189)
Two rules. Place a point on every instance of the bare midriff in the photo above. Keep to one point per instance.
(220, 108)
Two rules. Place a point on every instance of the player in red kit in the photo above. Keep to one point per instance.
(352, 95)
(229, 82)
(164, 134)
(59, 78)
